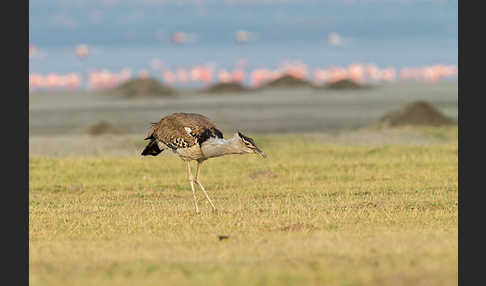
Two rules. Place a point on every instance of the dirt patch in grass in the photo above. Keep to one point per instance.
(226, 87)
(144, 87)
(287, 81)
(103, 127)
(222, 237)
(299, 227)
(265, 174)
(417, 113)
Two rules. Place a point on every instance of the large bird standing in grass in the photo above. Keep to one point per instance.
(195, 138)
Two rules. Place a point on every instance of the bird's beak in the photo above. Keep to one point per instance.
(260, 152)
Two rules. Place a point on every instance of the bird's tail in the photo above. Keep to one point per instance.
(151, 149)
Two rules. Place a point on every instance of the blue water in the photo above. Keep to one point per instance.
(124, 34)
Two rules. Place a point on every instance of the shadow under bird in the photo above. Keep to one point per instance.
(195, 138)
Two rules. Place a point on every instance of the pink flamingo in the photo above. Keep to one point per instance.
(373, 72)
(206, 75)
(82, 51)
(238, 75)
(224, 76)
(356, 72)
(337, 74)
(389, 74)
(321, 75)
(182, 76)
(144, 74)
(258, 76)
(168, 76)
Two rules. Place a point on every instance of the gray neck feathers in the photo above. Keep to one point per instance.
(215, 147)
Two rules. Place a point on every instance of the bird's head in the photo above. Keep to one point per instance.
(248, 145)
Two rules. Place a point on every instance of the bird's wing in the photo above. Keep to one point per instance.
(184, 130)
(200, 127)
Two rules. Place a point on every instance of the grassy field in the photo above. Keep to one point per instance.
(312, 213)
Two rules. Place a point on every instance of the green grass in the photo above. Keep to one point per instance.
(329, 215)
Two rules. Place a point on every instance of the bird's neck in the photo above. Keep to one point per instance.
(215, 147)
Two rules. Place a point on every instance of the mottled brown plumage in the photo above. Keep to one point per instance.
(182, 130)
(194, 137)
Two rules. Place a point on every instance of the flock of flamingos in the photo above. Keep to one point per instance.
(208, 74)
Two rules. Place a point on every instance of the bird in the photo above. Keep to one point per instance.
(193, 137)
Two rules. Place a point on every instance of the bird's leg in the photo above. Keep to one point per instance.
(200, 185)
(191, 180)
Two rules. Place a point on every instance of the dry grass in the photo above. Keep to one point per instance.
(333, 215)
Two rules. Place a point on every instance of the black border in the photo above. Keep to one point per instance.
(15, 142)
(470, 57)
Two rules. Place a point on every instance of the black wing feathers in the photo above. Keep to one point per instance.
(151, 149)
(208, 133)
